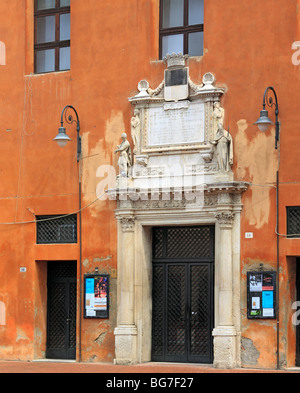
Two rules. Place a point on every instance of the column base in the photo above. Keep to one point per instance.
(225, 349)
(125, 345)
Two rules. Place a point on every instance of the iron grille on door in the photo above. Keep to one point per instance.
(61, 318)
(298, 326)
(185, 242)
(183, 271)
(56, 230)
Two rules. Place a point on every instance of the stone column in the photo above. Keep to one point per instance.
(126, 331)
(225, 333)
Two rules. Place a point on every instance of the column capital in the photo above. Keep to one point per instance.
(127, 223)
(225, 219)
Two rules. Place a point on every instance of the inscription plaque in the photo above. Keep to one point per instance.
(178, 124)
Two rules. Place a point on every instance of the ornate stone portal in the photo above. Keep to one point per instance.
(181, 175)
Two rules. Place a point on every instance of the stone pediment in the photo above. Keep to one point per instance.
(178, 134)
(179, 117)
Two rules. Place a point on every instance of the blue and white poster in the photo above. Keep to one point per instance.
(268, 299)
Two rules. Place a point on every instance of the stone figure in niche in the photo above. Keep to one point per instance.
(224, 148)
(219, 115)
(125, 159)
(135, 130)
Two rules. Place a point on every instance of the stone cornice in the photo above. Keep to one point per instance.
(208, 189)
(232, 187)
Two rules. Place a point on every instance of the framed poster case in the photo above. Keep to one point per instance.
(261, 295)
(96, 296)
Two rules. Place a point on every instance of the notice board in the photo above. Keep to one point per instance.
(261, 295)
(96, 296)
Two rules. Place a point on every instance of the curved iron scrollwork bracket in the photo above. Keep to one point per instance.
(268, 100)
(70, 120)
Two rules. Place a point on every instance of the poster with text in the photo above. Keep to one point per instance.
(96, 299)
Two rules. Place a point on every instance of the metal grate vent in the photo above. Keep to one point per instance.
(56, 230)
(293, 221)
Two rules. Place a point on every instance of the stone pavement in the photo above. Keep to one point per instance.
(105, 368)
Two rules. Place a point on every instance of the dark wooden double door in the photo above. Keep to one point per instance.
(183, 288)
(298, 319)
(61, 310)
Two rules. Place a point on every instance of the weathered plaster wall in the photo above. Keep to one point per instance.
(114, 46)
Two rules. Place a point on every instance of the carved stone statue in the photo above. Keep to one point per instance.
(135, 130)
(224, 149)
(219, 115)
(125, 159)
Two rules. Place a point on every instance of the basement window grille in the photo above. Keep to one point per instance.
(52, 230)
(293, 221)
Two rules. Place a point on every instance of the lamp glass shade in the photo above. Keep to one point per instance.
(62, 142)
(264, 127)
(263, 122)
(62, 138)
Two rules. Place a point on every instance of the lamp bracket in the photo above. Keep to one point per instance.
(68, 117)
(70, 120)
(268, 100)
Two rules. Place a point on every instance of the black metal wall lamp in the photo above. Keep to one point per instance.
(62, 138)
(264, 121)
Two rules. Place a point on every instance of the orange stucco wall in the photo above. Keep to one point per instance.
(114, 44)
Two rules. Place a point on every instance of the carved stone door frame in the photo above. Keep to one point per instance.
(135, 222)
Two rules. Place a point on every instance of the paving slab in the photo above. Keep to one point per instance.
(57, 366)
